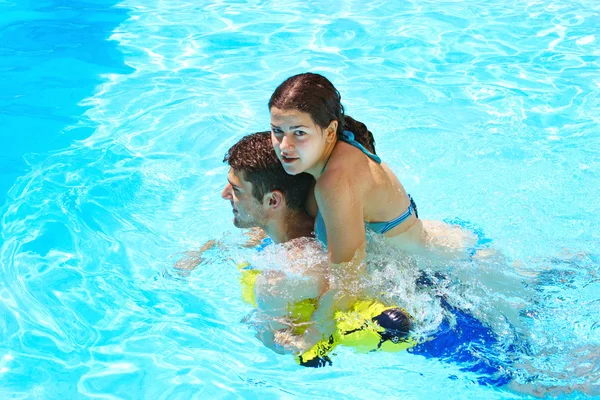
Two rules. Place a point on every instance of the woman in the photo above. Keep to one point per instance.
(354, 191)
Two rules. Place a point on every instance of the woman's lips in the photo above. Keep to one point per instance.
(288, 160)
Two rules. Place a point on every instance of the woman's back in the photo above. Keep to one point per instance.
(384, 199)
(376, 188)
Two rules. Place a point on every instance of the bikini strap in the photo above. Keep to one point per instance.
(348, 137)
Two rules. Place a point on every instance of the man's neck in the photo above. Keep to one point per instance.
(291, 224)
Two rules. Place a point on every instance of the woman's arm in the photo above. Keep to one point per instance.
(342, 210)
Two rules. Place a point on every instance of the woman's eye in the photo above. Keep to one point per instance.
(299, 133)
(277, 132)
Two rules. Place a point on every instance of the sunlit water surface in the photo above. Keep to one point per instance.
(486, 111)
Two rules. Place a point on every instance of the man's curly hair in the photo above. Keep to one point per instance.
(255, 157)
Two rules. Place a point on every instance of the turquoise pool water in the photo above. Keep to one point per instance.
(114, 119)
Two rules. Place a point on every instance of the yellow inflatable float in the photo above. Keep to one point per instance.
(369, 325)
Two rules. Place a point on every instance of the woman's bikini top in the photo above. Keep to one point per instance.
(377, 227)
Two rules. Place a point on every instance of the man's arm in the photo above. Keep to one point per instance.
(255, 237)
(192, 259)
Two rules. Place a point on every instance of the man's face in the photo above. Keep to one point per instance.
(247, 211)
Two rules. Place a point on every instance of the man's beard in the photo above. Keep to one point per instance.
(249, 221)
(243, 224)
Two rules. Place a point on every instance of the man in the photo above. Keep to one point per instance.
(262, 194)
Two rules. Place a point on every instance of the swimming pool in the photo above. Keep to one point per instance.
(486, 111)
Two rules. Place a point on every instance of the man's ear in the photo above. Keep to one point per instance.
(331, 131)
(274, 200)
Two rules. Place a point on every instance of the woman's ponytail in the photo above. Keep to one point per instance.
(361, 133)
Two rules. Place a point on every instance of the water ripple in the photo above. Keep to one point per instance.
(487, 111)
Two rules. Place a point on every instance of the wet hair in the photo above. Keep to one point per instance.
(314, 94)
(255, 157)
(396, 322)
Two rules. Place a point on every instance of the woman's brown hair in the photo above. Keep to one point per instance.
(314, 94)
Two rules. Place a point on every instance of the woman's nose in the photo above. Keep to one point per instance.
(286, 144)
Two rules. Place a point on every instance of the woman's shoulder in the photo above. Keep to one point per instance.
(346, 170)
(333, 179)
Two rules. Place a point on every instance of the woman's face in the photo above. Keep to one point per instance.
(299, 143)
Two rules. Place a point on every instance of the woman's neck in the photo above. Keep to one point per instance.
(319, 168)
